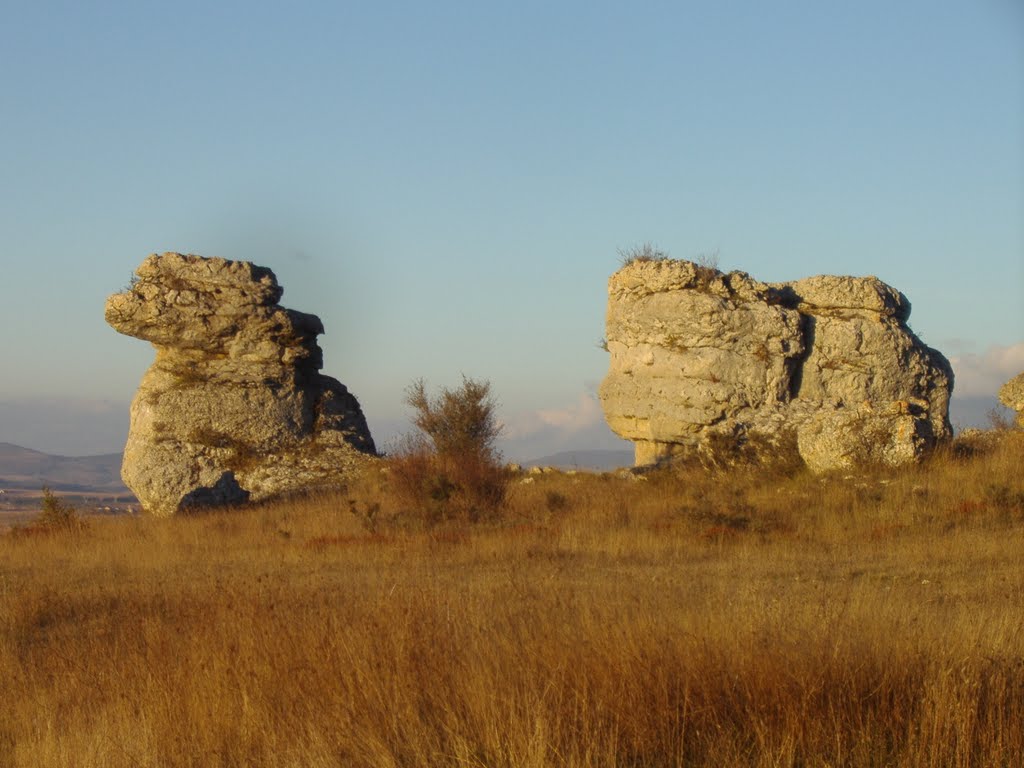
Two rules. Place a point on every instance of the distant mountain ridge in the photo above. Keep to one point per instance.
(25, 468)
(595, 460)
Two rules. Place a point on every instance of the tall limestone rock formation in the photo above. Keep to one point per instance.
(234, 407)
(721, 365)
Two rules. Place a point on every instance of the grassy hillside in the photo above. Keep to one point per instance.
(721, 620)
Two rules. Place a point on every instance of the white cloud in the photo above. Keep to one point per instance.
(579, 425)
(983, 374)
(585, 412)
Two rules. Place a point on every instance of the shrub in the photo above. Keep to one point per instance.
(451, 469)
(708, 261)
(556, 501)
(645, 252)
(999, 419)
(707, 268)
(459, 421)
(56, 514)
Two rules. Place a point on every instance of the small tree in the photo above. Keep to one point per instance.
(452, 468)
(458, 422)
(56, 514)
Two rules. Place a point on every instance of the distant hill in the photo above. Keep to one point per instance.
(25, 468)
(594, 460)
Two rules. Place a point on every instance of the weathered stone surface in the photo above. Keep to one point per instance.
(1011, 394)
(234, 407)
(702, 361)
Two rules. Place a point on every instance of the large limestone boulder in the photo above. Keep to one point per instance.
(704, 362)
(234, 407)
(1011, 394)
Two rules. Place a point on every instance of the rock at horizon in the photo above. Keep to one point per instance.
(234, 408)
(723, 367)
(1011, 394)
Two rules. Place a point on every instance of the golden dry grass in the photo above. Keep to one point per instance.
(730, 620)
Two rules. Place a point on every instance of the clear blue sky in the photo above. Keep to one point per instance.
(446, 184)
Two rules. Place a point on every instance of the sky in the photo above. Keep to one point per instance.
(448, 184)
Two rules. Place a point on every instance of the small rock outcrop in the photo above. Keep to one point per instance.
(725, 367)
(234, 408)
(1011, 394)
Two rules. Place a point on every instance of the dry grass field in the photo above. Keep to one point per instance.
(734, 619)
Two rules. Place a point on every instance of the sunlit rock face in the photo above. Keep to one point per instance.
(724, 367)
(1011, 394)
(234, 407)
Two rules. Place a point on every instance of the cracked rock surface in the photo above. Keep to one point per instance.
(1011, 394)
(234, 407)
(719, 364)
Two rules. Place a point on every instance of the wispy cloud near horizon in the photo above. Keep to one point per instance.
(982, 374)
(576, 425)
(583, 413)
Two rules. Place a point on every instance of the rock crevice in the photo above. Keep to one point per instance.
(234, 407)
(705, 362)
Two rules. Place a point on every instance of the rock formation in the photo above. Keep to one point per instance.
(234, 407)
(720, 365)
(1011, 394)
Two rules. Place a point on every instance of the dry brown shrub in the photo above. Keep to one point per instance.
(642, 253)
(56, 516)
(451, 470)
(437, 487)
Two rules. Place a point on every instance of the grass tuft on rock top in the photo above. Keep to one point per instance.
(644, 252)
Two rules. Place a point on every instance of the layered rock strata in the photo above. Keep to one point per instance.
(722, 365)
(233, 408)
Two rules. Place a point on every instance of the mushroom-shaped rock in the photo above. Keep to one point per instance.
(234, 407)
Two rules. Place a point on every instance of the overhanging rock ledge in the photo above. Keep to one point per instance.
(234, 407)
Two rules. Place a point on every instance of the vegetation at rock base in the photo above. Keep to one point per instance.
(451, 469)
(692, 619)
